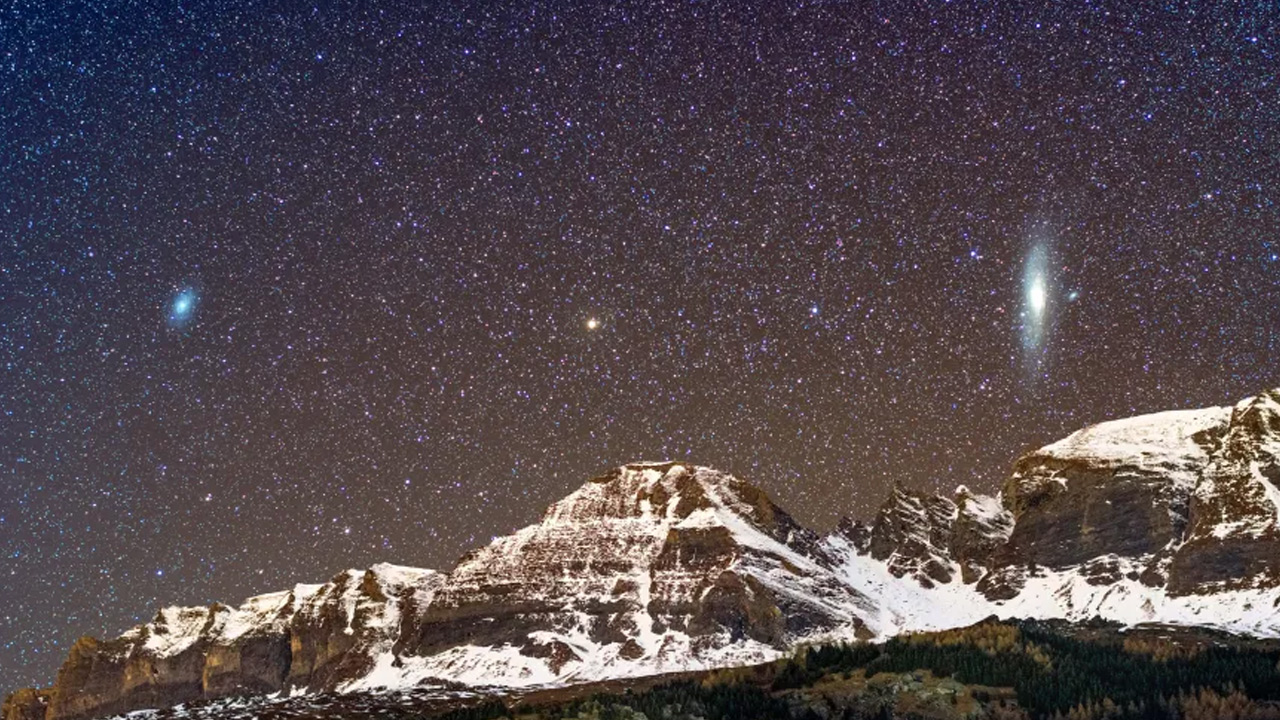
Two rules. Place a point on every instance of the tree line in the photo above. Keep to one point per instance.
(1054, 674)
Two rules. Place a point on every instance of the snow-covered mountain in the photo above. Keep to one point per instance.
(651, 568)
(657, 567)
(1170, 518)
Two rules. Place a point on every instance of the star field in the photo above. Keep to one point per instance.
(287, 288)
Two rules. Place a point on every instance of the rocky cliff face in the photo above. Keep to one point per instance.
(1121, 488)
(1232, 539)
(1186, 501)
(931, 538)
(912, 536)
(313, 636)
(657, 567)
(1170, 517)
(982, 526)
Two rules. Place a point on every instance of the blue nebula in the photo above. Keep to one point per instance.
(183, 307)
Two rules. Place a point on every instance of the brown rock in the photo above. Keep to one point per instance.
(1071, 511)
(249, 666)
(630, 650)
(913, 532)
(744, 607)
(1233, 540)
(103, 678)
(556, 653)
(981, 527)
(644, 543)
(25, 704)
(856, 532)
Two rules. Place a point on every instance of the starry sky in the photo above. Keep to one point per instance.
(291, 287)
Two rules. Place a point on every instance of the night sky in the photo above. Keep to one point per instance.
(289, 288)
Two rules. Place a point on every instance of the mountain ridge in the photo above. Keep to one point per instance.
(659, 567)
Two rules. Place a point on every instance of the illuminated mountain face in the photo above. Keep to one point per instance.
(660, 567)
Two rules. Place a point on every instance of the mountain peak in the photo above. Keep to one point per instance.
(676, 491)
(1254, 427)
(639, 569)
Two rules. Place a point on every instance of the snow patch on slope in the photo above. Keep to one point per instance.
(254, 614)
(1067, 594)
(506, 666)
(900, 603)
(986, 509)
(1141, 439)
(173, 630)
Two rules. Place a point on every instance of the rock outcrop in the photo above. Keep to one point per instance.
(314, 636)
(1185, 500)
(931, 538)
(1233, 538)
(912, 536)
(25, 704)
(1121, 487)
(981, 527)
